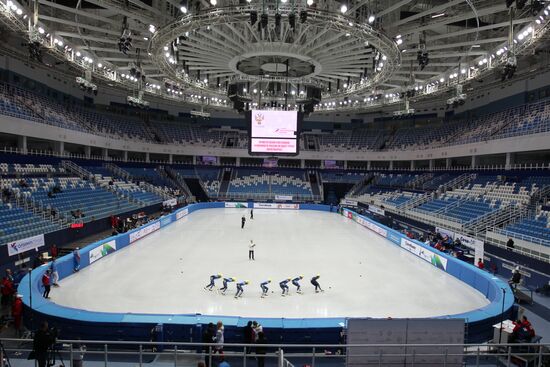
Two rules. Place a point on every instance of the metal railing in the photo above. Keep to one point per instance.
(79, 352)
(262, 196)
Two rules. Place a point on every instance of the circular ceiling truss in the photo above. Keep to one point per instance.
(465, 39)
(202, 51)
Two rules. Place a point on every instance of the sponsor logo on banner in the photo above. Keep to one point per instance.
(142, 232)
(182, 213)
(102, 250)
(445, 232)
(165, 221)
(394, 238)
(477, 245)
(375, 210)
(423, 253)
(26, 244)
(236, 205)
(348, 202)
(276, 206)
(170, 202)
(283, 197)
(366, 223)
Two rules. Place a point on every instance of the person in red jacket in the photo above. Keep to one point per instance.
(480, 264)
(17, 313)
(46, 284)
(54, 251)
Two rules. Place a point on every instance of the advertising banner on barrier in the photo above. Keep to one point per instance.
(276, 206)
(375, 210)
(144, 231)
(283, 197)
(182, 213)
(165, 221)
(26, 244)
(348, 202)
(102, 250)
(365, 223)
(236, 205)
(477, 245)
(423, 253)
(170, 202)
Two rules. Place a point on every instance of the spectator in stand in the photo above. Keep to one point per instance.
(480, 264)
(54, 251)
(46, 283)
(510, 244)
(219, 338)
(260, 349)
(17, 313)
(208, 337)
(516, 278)
(7, 293)
(249, 337)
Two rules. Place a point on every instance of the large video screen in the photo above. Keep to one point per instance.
(273, 132)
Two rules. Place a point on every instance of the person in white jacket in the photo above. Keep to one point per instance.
(219, 338)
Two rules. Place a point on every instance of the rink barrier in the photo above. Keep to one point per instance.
(78, 323)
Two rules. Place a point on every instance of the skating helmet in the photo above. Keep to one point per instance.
(318, 275)
(301, 276)
(220, 275)
(289, 278)
(269, 280)
(246, 282)
(233, 279)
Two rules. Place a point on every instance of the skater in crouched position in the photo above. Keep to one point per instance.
(213, 278)
(225, 282)
(284, 286)
(315, 283)
(264, 287)
(296, 283)
(240, 288)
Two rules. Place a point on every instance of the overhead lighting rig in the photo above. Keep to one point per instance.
(86, 85)
(459, 99)
(509, 68)
(125, 40)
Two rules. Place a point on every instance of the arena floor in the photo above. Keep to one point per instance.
(362, 274)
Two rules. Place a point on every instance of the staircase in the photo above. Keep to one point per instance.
(37, 208)
(72, 167)
(118, 172)
(497, 218)
(227, 174)
(420, 180)
(314, 183)
(177, 181)
(417, 201)
(367, 180)
(457, 182)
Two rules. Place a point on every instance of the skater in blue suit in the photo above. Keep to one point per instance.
(315, 283)
(284, 286)
(296, 283)
(225, 282)
(264, 287)
(212, 281)
(240, 288)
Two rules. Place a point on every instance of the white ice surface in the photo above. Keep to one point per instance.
(363, 274)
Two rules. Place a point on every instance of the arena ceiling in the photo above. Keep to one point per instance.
(359, 53)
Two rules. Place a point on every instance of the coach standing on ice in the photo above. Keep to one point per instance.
(243, 221)
(251, 250)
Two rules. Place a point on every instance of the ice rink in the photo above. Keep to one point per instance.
(362, 274)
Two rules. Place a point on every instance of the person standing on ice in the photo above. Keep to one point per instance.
(284, 286)
(315, 283)
(251, 250)
(264, 287)
(225, 282)
(240, 288)
(296, 283)
(251, 213)
(212, 281)
(243, 221)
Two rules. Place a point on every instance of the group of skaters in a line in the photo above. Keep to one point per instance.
(283, 284)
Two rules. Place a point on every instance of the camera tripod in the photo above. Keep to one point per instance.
(54, 352)
(5, 355)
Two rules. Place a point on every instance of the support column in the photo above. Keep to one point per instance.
(412, 165)
(60, 147)
(474, 161)
(194, 160)
(391, 165)
(509, 161)
(22, 144)
(447, 163)
(431, 164)
(238, 161)
(369, 165)
(88, 151)
(170, 158)
(147, 159)
(345, 164)
(105, 153)
(125, 155)
(322, 164)
(302, 163)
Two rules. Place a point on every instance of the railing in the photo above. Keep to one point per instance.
(130, 353)
(73, 167)
(118, 171)
(263, 196)
(540, 247)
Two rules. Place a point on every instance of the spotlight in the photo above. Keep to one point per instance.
(303, 16)
(213, 2)
(253, 17)
(264, 20)
(309, 2)
(343, 8)
(183, 9)
(509, 68)
(372, 18)
(292, 20)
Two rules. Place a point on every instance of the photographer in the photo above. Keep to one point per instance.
(43, 340)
